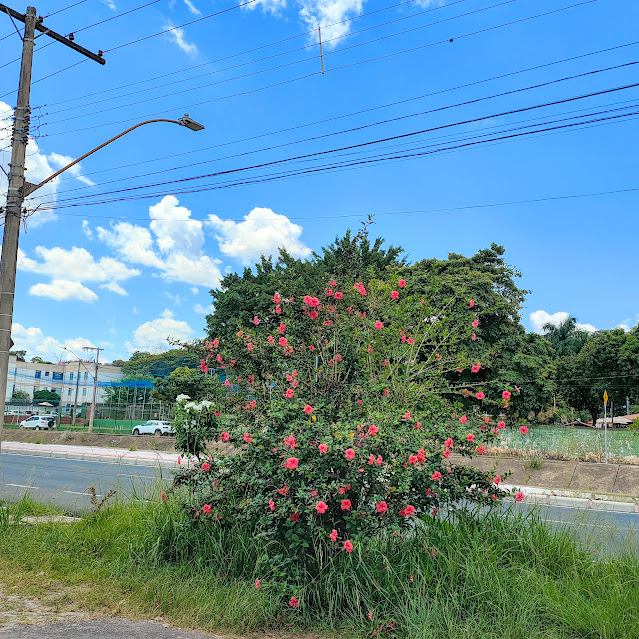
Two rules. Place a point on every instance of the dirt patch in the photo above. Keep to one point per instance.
(127, 442)
(17, 609)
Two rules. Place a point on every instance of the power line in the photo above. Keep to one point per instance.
(412, 49)
(378, 141)
(75, 202)
(65, 8)
(270, 44)
(362, 111)
(287, 64)
(382, 122)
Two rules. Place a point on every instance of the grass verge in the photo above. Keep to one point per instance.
(486, 577)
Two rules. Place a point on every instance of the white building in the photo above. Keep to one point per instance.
(65, 378)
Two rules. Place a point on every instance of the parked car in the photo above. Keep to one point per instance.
(37, 422)
(154, 427)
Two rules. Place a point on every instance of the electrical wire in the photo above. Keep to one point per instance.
(386, 139)
(373, 124)
(350, 65)
(360, 112)
(235, 55)
(65, 8)
(281, 66)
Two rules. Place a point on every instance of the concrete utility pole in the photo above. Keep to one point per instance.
(95, 381)
(18, 185)
(77, 388)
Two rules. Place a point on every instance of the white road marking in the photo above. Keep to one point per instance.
(23, 486)
(73, 492)
(141, 476)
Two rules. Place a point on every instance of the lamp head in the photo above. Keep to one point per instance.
(190, 123)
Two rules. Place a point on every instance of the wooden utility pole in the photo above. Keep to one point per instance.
(18, 185)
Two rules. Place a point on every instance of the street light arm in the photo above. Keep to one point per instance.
(30, 188)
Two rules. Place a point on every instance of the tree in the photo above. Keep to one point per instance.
(20, 355)
(141, 364)
(46, 396)
(20, 396)
(608, 361)
(123, 394)
(39, 360)
(565, 338)
(185, 381)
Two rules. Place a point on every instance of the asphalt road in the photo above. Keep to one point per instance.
(105, 629)
(64, 482)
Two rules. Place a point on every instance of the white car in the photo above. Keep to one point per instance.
(154, 427)
(37, 422)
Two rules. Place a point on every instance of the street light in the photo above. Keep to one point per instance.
(19, 189)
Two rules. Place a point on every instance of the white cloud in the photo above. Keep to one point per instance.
(86, 229)
(204, 310)
(110, 4)
(75, 264)
(262, 232)
(152, 336)
(195, 290)
(317, 13)
(192, 8)
(539, 318)
(176, 35)
(34, 341)
(64, 290)
(270, 6)
(59, 161)
(114, 287)
(173, 244)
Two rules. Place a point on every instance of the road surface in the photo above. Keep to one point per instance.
(63, 482)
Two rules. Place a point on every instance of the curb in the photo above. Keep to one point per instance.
(584, 500)
(116, 458)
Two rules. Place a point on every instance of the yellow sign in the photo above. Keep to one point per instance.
(605, 397)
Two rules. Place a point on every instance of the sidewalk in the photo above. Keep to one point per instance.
(94, 453)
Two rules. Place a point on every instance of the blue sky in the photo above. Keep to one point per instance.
(114, 258)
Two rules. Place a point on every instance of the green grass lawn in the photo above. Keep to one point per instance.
(494, 577)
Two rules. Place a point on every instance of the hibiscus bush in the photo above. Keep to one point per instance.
(342, 423)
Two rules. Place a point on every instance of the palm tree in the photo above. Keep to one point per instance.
(565, 338)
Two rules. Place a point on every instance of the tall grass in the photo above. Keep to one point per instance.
(474, 576)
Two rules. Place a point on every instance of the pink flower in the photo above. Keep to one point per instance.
(506, 394)
(282, 328)
(401, 283)
(480, 395)
(487, 420)
(271, 505)
(294, 602)
(227, 383)
(225, 436)
(291, 463)
(470, 437)
(381, 506)
(481, 449)
(313, 314)
(276, 298)
(378, 325)
(519, 496)
(257, 584)
(311, 348)
(308, 409)
(321, 508)
(328, 292)
(378, 461)
(206, 509)
(350, 453)
(256, 320)
(463, 419)
(278, 309)
(283, 491)
(283, 341)
(448, 443)
(501, 425)
(346, 504)
(436, 476)
(523, 430)
(475, 323)
(386, 392)
(407, 415)
(373, 430)
(362, 290)
(409, 510)
(247, 437)
(323, 448)
(333, 535)
(270, 339)
(417, 426)
(446, 453)
(371, 459)
(472, 303)
(294, 517)
(497, 480)
(421, 456)
(394, 295)
(410, 340)
(475, 368)
(206, 466)
(250, 346)
(203, 367)
(473, 337)
(348, 546)
(289, 393)
(338, 295)
(216, 342)
(412, 459)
